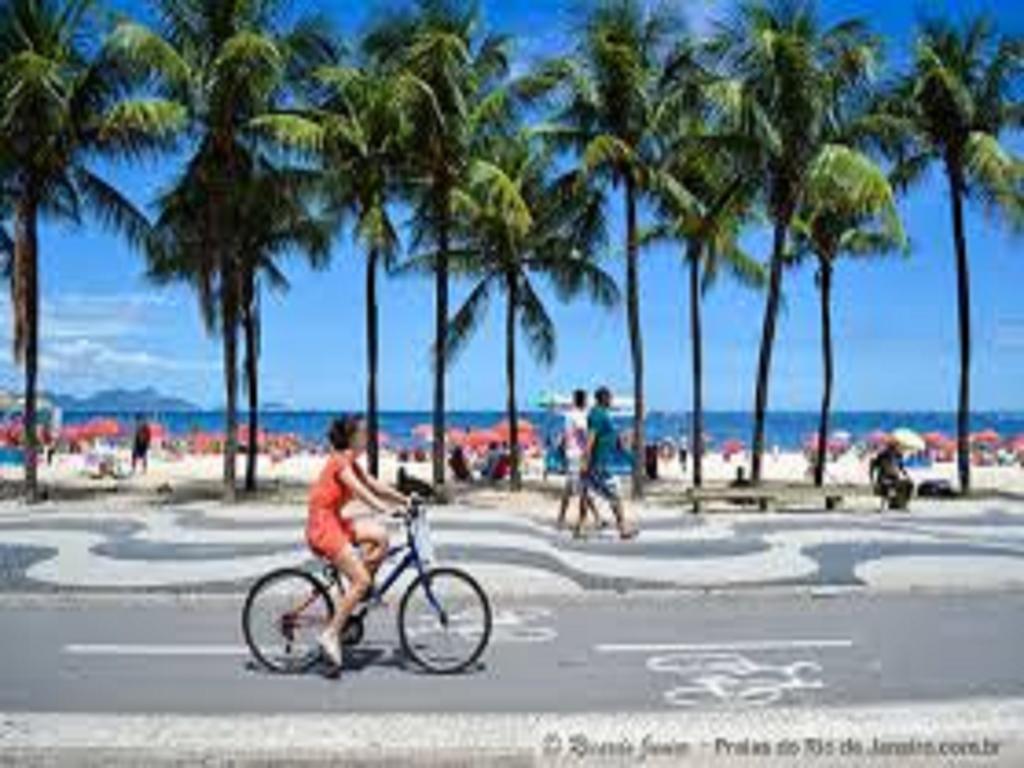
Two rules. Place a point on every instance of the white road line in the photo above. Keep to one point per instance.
(120, 649)
(754, 645)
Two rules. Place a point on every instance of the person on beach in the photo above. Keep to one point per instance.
(574, 441)
(596, 462)
(140, 444)
(890, 477)
(332, 527)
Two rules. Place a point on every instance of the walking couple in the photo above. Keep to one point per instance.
(591, 442)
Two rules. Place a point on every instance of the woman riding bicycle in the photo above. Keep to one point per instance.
(333, 527)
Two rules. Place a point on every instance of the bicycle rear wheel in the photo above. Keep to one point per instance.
(284, 614)
(444, 621)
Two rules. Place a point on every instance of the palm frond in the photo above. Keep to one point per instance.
(111, 208)
(468, 318)
(536, 324)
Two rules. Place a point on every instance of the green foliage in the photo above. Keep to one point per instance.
(518, 222)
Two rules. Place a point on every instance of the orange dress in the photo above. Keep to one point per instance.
(326, 529)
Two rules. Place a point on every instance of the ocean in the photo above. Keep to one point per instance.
(786, 429)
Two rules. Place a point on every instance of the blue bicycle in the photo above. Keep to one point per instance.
(444, 618)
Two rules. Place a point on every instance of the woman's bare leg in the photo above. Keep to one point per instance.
(351, 566)
(373, 540)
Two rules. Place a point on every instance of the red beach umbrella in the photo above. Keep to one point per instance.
(986, 437)
(482, 438)
(525, 429)
(101, 428)
(732, 446)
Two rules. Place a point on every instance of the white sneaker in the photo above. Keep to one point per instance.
(330, 647)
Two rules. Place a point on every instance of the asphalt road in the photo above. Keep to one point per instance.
(595, 654)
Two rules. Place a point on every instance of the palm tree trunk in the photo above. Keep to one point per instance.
(963, 416)
(764, 362)
(229, 329)
(249, 322)
(826, 352)
(635, 337)
(26, 334)
(440, 331)
(510, 375)
(696, 345)
(372, 419)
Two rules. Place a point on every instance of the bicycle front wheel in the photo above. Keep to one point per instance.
(444, 621)
(284, 614)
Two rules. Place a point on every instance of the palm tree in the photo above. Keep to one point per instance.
(951, 108)
(448, 67)
(608, 90)
(231, 67)
(515, 225)
(366, 135)
(62, 103)
(785, 75)
(709, 222)
(275, 205)
(848, 210)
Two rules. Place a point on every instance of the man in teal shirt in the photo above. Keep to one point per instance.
(602, 442)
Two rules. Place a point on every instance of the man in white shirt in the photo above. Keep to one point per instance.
(574, 438)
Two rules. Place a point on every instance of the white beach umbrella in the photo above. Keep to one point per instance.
(908, 440)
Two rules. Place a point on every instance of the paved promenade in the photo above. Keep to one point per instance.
(85, 546)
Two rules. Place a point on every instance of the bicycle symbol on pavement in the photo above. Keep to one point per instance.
(729, 678)
(522, 625)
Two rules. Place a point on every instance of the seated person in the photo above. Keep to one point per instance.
(459, 466)
(490, 460)
(501, 469)
(889, 477)
(741, 480)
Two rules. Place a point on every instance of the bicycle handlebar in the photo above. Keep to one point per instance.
(414, 508)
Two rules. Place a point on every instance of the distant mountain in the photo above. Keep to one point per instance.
(123, 400)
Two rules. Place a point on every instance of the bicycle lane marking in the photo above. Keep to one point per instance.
(526, 624)
(725, 675)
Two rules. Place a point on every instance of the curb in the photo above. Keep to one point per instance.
(982, 731)
(136, 598)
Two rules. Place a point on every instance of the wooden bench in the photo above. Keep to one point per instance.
(766, 498)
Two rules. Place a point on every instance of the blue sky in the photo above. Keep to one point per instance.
(894, 319)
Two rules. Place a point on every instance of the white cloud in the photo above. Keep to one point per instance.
(102, 339)
(94, 356)
(76, 315)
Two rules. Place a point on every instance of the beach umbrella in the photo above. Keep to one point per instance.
(908, 440)
(243, 435)
(157, 431)
(839, 441)
(732, 446)
(986, 437)
(878, 438)
(934, 439)
(525, 428)
(482, 438)
(102, 428)
(423, 432)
